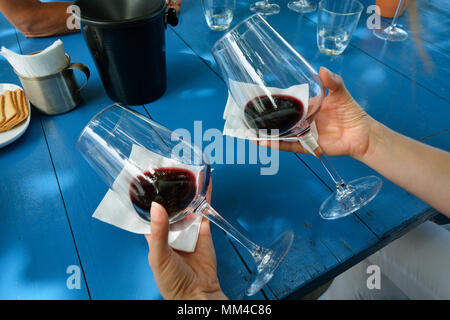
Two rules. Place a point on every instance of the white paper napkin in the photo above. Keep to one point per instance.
(118, 210)
(43, 63)
(233, 115)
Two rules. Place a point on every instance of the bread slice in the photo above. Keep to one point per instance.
(2, 108)
(24, 105)
(10, 107)
(19, 104)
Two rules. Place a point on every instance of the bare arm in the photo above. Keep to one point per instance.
(416, 167)
(36, 19)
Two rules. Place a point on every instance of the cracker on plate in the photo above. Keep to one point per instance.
(15, 109)
(2, 109)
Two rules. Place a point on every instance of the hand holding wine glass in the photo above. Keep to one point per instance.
(182, 275)
(344, 127)
(176, 174)
(257, 64)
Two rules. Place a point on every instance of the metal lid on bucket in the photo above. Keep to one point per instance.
(117, 13)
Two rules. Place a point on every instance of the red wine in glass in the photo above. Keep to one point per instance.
(277, 111)
(173, 188)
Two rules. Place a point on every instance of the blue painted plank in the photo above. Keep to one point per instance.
(115, 261)
(36, 245)
(7, 39)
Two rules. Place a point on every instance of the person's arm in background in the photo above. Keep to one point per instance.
(174, 4)
(346, 129)
(36, 19)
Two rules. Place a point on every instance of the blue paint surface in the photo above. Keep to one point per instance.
(36, 244)
(58, 192)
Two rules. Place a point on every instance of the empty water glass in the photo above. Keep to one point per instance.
(219, 13)
(336, 23)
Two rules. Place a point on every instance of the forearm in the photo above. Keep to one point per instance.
(418, 168)
(36, 19)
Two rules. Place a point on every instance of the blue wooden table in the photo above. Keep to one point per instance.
(48, 192)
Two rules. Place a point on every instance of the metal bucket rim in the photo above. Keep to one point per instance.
(118, 24)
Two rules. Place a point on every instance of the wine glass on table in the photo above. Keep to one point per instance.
(393, 32)
(113, 135)
(254, 59)
(302, 6)
(264, 7)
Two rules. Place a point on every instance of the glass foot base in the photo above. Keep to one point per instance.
(302, 6)
(391, 33)
(264, 8)
(360, 192)
(271, 261)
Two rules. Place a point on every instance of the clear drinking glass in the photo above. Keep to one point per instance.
(302, 6)
(336, 23)
(264, 7)
(393, 32)
(254, 59)
(219, 13)
(106, 143)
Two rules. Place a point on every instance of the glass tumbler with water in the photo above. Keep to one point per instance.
(336, 23)
(219, 13)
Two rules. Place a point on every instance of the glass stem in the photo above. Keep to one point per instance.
(212, 215)
(309, 142)
(337, 179)
(395, 20)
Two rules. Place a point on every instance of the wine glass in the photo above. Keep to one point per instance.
(261, 69)
(265, 7)
(109, 143)
(336, 22)
(302, 6)
(393, 32)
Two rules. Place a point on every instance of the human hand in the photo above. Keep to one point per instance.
(182, 275)
(344, 127)
(174, 4)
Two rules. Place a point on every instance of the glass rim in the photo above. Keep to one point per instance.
(361, 7)
(233, 29)
(90, 121)
(205, 159)
(257, 15)
(121, 106)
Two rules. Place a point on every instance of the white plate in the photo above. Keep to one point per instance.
(12, 135)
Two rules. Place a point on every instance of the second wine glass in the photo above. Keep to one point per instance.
(177, 177)
(393, 32)
(279, 94)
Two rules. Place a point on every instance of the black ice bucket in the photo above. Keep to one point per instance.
(127, 41)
